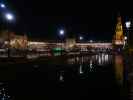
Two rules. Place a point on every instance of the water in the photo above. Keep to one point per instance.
(65, 78)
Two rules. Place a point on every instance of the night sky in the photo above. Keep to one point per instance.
(44, 19)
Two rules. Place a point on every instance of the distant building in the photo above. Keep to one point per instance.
(118, 39)
(70, 42)
(18, 41)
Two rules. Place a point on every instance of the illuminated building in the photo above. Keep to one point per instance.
(70, 43)
(118, 39)
(3, 37)
(18, 41)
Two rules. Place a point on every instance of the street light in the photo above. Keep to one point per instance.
(9, 17)
(125, 37)
(2, 5)
(61, 33)
(81, 38)
(128, 25)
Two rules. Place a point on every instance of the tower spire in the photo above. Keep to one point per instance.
(119, 37)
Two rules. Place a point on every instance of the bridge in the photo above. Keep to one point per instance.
(95, 45)
(64, 45)
(117, 41)
(43, 46)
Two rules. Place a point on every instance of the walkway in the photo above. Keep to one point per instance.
(129, 68)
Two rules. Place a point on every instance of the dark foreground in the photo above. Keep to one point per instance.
(84, 79)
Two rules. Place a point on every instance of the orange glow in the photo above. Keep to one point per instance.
(119, 68)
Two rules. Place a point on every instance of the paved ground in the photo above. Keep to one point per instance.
(129, 66)
(131, 84)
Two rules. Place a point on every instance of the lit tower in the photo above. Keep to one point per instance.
(119, 37)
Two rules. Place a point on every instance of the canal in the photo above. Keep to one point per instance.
(65, 78)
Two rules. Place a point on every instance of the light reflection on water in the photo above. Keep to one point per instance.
(80, 69)
(83, 72)
(119, 68)
(100, 59)
(61, 76)
(91, 63)
(88, 63)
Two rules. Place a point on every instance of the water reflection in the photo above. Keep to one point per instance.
(61, 76)
(119, 68)
(91, 65)
(57, 53)
(99, 59)
(81, 69)
(4, 95)
(77, 74)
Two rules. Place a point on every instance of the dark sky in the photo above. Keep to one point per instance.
(43, 19)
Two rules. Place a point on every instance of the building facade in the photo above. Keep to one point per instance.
(18, 41)
(70, 43)
(119, 37)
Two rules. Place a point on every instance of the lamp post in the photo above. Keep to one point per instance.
(81, 38)
(61, 33)
(9, 18)
(128, 25)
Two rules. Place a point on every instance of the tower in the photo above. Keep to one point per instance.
(118, 39)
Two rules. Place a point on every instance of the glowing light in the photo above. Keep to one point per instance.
(106, 57)
(6, 42)
(71, 45)
(99, 60)
(91, 41)
(119, 42)
(57, 53)
(37, 43)
(61, 78)
(91, 64)
(128, 24)
(81, 38)
(9, 16)
(125, 37)
(80, 69)
(62, 32)
(57, 49)
(77, 58)
(2, 5)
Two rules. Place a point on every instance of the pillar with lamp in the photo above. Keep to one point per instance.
(9, 17)
(128, 25)
(61, 35)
